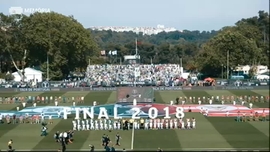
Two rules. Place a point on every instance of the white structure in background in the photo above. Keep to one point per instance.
(262, 77)
(143, 30)
(2, 80)
(260, 69)
(260, 73)
(185, 74)
(244, 68)
(30, 74)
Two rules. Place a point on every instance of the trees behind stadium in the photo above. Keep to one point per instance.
(33, 40)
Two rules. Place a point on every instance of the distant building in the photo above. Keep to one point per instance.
(245, 69)
(30, 75)
(260, 69)
(143, 30)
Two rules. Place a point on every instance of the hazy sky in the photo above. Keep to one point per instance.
(181, 14)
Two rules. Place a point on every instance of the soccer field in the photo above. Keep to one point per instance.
(211, 133)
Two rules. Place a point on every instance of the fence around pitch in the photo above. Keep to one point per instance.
(157, 88)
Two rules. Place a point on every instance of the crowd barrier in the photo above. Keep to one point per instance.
(161, 88)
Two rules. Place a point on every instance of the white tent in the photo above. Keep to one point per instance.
(30, 74)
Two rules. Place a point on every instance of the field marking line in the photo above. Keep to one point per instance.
(132, 137)
(267, 148)
(57, 149)
(195, 149)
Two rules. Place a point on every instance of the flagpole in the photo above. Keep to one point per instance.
(181, 67)
(116, 57)
(135, 76)
(136, 46)
(136, 49)
(48, 68)
(47, 61)
(49, 50)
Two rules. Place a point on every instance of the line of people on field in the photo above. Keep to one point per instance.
(183, 100)
(108, 144)
(21, 99)
(243, 117)
(26, 119)
(109, 124)
(221, 99)
(66, 137)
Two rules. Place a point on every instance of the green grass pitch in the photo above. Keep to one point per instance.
(211, 133)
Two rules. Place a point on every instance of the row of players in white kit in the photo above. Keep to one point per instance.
(108, 124)
(211, 102)
(99, 124)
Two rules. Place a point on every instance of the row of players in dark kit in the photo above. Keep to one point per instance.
(65, 138)
(105, 141)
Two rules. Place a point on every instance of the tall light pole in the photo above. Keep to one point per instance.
(1, 60)
(228, 62)
(48, 67)
(222, 71)
(136, 46)
(48, 64)
(1, 56)
(135, 68)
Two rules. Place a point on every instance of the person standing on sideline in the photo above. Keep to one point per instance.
(43, 130)
(112, 148)
(238, 118)
(117, 137)
(14, 119)
(10, 142)
(159, 150)
(1, 119)
(63, 144)
(92, 148)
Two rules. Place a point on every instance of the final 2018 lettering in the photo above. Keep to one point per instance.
(152, 113)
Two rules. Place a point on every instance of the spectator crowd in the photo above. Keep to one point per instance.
(163, 74)
(168, 75)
